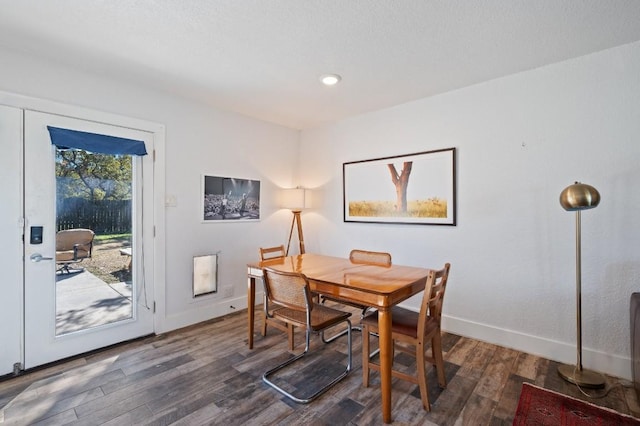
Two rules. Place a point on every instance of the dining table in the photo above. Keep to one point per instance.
(380, 287)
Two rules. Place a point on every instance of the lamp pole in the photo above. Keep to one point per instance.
(296, 200)
(579, 289)
(297, 220)
(578, 197)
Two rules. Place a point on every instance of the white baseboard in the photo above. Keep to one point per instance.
(613, 365)
(204, 313)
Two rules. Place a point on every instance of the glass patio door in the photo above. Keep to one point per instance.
(85, 237)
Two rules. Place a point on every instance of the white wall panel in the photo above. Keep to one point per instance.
(11, 236)
(521, 140)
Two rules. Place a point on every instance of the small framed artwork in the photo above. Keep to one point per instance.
(226, 199)
(415, 189)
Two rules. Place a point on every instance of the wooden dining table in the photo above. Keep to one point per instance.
(377, 286)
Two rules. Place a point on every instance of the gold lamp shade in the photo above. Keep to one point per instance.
(579, 196)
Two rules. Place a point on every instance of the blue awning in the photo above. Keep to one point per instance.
(93, 142)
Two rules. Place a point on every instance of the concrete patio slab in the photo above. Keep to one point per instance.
(84, 301)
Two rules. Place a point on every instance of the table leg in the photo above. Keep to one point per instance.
(386, 361)
(251, 304)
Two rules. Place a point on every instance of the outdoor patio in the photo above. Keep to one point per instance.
(84, 301)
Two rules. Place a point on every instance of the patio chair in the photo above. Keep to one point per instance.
(73, 246)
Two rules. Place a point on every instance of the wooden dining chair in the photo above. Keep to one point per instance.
(291, 294)
(274, 253)
(415, 329)
(365, 257)
(270, 253)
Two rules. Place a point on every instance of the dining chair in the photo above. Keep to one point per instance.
(370, 257)
(365, 257)
(291, 294)
(415, 329)
(274, 253)
(270, 253)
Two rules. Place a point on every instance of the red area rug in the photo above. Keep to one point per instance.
(538, 406)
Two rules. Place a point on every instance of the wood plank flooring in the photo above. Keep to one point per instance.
(205, 374)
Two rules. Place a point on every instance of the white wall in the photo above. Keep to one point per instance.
(199, 139)
(520, 140)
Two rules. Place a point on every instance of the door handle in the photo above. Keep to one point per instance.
(37, 257)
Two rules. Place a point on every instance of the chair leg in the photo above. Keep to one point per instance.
(290, 327)
(422, 376)
(365, 356)
(340, 334)
(265, 307)
(265, 376)
(343, 332)
(264, 325)
(290, 335)
(436, 352)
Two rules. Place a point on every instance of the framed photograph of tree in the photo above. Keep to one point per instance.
(415, 189)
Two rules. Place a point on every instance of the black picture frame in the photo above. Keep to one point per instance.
(416, 189)
(226, 199)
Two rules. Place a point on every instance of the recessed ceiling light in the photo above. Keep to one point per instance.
(330, 79)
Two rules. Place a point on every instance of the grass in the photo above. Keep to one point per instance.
(112, 238)
(432, 207)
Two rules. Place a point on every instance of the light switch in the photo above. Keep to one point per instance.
(170, 201)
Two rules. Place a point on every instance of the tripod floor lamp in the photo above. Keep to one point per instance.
(578, 197)
(295, 199)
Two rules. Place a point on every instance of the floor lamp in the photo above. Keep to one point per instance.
(296, 200)
(578, 197)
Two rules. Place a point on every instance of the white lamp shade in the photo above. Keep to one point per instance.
(294, 199)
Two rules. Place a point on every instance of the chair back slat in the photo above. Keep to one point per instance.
(288, 289)
(433, 298)
(269, 253)
(370, 257)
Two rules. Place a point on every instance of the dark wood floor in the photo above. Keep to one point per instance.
(205, 374)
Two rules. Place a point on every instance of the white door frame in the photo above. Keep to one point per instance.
(11, 230)
(157, 278)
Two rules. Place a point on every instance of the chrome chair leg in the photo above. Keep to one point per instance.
(316, 394)
(343, 332)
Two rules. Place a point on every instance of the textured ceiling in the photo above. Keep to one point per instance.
(263, 58)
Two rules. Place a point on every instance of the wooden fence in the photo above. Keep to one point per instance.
(103, 216)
